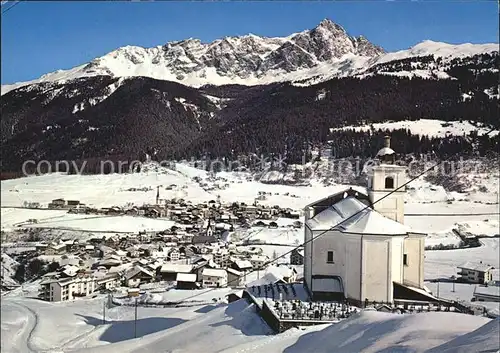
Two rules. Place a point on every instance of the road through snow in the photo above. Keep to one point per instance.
(23, 338)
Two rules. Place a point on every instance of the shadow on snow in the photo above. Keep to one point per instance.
(117, 331)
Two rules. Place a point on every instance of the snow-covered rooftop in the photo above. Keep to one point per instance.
(176, 268)
(186, 277)
(476, 266)
(214, 272)
(356, 217)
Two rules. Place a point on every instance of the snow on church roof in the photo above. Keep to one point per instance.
(366, 221)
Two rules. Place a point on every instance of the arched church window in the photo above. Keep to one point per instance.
(389, 183)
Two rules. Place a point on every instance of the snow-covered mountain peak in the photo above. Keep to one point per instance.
(326, 50)
(440, 49)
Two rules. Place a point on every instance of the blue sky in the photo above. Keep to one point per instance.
(40, 37)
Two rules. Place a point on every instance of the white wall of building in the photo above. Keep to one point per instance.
(367, 264)
(307, 256)
(376, 284)
(397, 259)
(352, 279)
(65, 290)
(213, 281)
(414, 247)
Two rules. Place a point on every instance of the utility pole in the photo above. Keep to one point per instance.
(135, 319)
(438, 283)
(3, 252)
(104, 312)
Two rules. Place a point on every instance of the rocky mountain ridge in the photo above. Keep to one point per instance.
(101, 110)
(247, 59)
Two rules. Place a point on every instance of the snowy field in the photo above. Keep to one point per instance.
(54, 219)
(160, 297)
(473, 211)
(428, 127)
(443, 263)
(29, 325)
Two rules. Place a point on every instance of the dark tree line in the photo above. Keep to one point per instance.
(33, 269)
(180, 122)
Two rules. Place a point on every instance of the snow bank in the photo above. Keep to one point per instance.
(484, 339)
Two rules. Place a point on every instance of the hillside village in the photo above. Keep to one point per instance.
(179, 251)
(195, 252)
(213, 245)
(260, 178)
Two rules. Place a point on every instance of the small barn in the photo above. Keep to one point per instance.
(186, 281)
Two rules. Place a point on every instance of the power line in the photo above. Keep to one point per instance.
(10, 7)
(450, 214)
(338, 224)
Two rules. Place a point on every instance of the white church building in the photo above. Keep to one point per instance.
(358, 248)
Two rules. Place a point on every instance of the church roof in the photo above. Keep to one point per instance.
(364, 221)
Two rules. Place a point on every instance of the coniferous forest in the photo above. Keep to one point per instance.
(172, 121)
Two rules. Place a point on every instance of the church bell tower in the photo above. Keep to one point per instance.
(385, 178)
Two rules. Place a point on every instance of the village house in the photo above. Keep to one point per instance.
(168, 271)
(186, 281)
(69, 288)
(56, 249)
(214, 277)
(155, 212)
(297, 256)
(357, 248)
(110, 261)
(57, 203)
(199, 264)
(235, 278)
(137, 276)
(471, 272)
(108, 281)
(174, 254)
(162, 253)
(78, 209)
(73, 204)
(113, 211)
(289, 275)
(249, 211)
(288, 213)
(258, 261)
(241, 265)
(221, 257)
(41, 247)
(486, 294)
(203, 239)
(134, 211)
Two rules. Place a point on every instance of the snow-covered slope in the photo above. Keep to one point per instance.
(8, 270)
(316, 55)
(427, 127)
(32, 325)
(354, 65)
(237, 328)
(484, 339)
(439, 49)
